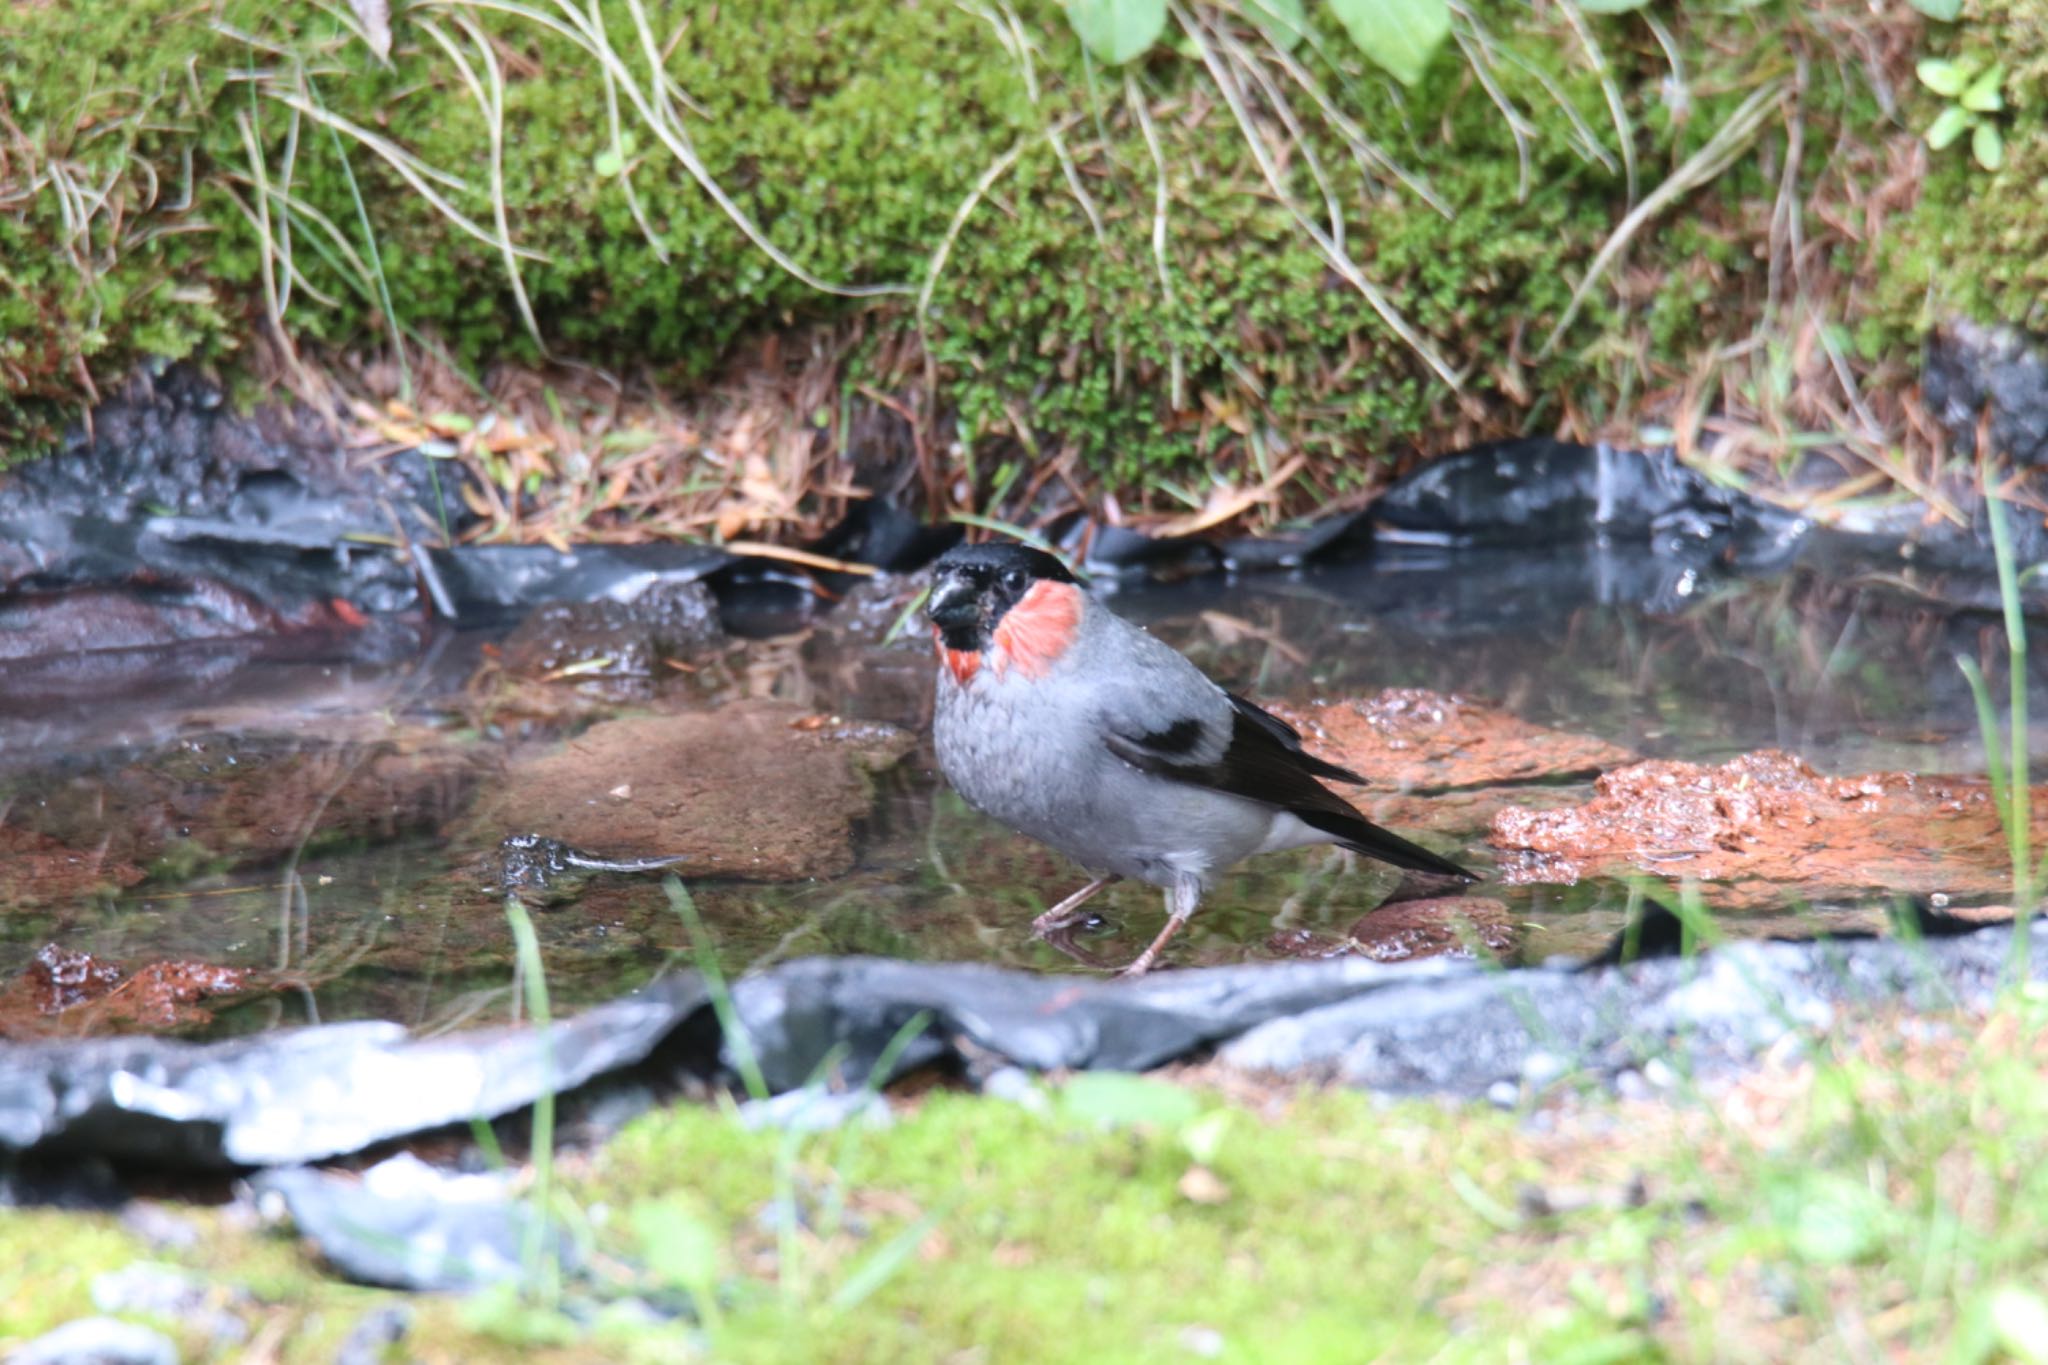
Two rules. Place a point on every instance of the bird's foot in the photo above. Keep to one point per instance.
(1058, 920)
(1067, 913)
(1062, 938)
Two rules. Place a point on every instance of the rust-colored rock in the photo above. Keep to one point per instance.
(36, 869)
(73, 994)
(1766, 826)
(758, 790)
(1442, 926)
(1409, 737)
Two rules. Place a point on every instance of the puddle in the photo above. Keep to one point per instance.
(225, 839)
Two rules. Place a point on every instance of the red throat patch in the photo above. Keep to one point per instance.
(1034, 634)
(961, 663)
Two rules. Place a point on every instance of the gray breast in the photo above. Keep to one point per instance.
(1033, 757)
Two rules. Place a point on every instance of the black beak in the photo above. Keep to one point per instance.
(954, 603)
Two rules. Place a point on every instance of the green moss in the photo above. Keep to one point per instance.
(853, 134)
(1976, 241)
(1057, 1242)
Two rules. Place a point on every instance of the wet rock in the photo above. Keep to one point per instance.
(612, 639)
(1971, 370)
(1543, 492)
(405, 1225)
(85, 619)
(1766, 827)
(73, 994)
(41, 870)
(756, 790)
(98, 1341)
(803, 1012)
(496, 580)
(1406, 737)
(1433, 1026)
(1470, 1031)
(306, 1095)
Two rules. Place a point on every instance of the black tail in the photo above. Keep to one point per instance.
(1362, 836)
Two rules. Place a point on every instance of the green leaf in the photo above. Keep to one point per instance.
(1987, 146)
(1984, 94)
(1117, 30)
(1109, 1099)
(1943, 11)
(1611, 6)
(1399, 35)
(1949, 126)
(608, 163)
(1945, 78)
(1282, 21)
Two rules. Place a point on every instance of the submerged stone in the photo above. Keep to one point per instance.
(758, 790)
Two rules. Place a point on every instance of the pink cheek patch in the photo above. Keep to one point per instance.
(1034, 634)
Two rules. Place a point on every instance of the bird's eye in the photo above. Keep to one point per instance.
(1013, 579)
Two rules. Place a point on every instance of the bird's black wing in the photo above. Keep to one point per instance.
(1290, 738)
(1262, 760)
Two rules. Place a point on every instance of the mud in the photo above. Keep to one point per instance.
(756, 790)
(1409, 737)
(1766, 828)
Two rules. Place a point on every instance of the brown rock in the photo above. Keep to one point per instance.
(1766, 821)
(73, 994)
(758, 790)
(1409, 737)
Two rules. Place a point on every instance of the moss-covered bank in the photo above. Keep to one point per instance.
(1121, 261)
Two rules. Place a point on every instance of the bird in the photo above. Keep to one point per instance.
(1060, 719)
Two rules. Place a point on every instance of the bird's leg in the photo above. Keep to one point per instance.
(1062, 915)
(1180, 903)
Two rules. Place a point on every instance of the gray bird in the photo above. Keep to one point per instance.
(1068, 724)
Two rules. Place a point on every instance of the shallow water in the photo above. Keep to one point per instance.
(329, 823)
